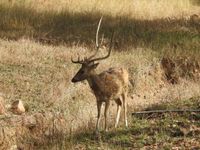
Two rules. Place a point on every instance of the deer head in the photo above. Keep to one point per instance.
(88, 65)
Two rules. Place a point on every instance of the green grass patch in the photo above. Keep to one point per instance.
(165, 131)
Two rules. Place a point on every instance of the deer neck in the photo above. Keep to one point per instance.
(93, 81)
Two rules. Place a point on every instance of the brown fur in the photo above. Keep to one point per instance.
(109, 85)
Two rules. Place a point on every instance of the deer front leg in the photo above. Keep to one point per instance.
(106, 114)
(99, 104)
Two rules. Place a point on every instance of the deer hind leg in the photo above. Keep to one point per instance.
(107, 104)
(124, 97)
(119, 106)
(99, 104)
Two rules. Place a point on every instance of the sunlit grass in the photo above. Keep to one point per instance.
(77, 26)
(140, 9)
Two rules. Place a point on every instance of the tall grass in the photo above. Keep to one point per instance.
(140, 9)
(40, 76)
(136, 23)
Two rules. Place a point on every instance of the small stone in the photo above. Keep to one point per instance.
(17, 107)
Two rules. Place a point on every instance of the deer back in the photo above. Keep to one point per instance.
(110, 84)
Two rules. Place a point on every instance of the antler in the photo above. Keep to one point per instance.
(89, 59)
(79, 61)
(109, 52)
(97, 40)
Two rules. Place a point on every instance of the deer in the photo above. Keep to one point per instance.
(107, 86)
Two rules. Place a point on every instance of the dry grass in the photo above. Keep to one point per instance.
(39, 74)
(151, 131)
(147, 28)
(139, 9)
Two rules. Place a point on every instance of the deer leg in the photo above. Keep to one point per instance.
(119, 105)
(99, 104)
(124, 96)
(107, 104)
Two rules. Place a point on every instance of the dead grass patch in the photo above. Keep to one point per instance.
(40, 76)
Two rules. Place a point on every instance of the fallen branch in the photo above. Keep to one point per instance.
(166, 111)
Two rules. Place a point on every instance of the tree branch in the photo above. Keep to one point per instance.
(166, 111)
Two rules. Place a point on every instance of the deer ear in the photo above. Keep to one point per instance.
(95, 66)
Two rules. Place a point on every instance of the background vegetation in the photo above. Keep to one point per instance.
(136, 23)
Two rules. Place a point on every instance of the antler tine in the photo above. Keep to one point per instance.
(97, 40)
(78, 61)
(97, 33)
(109, 52)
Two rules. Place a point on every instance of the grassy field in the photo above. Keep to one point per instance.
(163, 131)
(156, 41)
(151, 131)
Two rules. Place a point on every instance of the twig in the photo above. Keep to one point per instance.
(166, 111)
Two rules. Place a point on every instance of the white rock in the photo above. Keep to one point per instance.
(17, 107)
